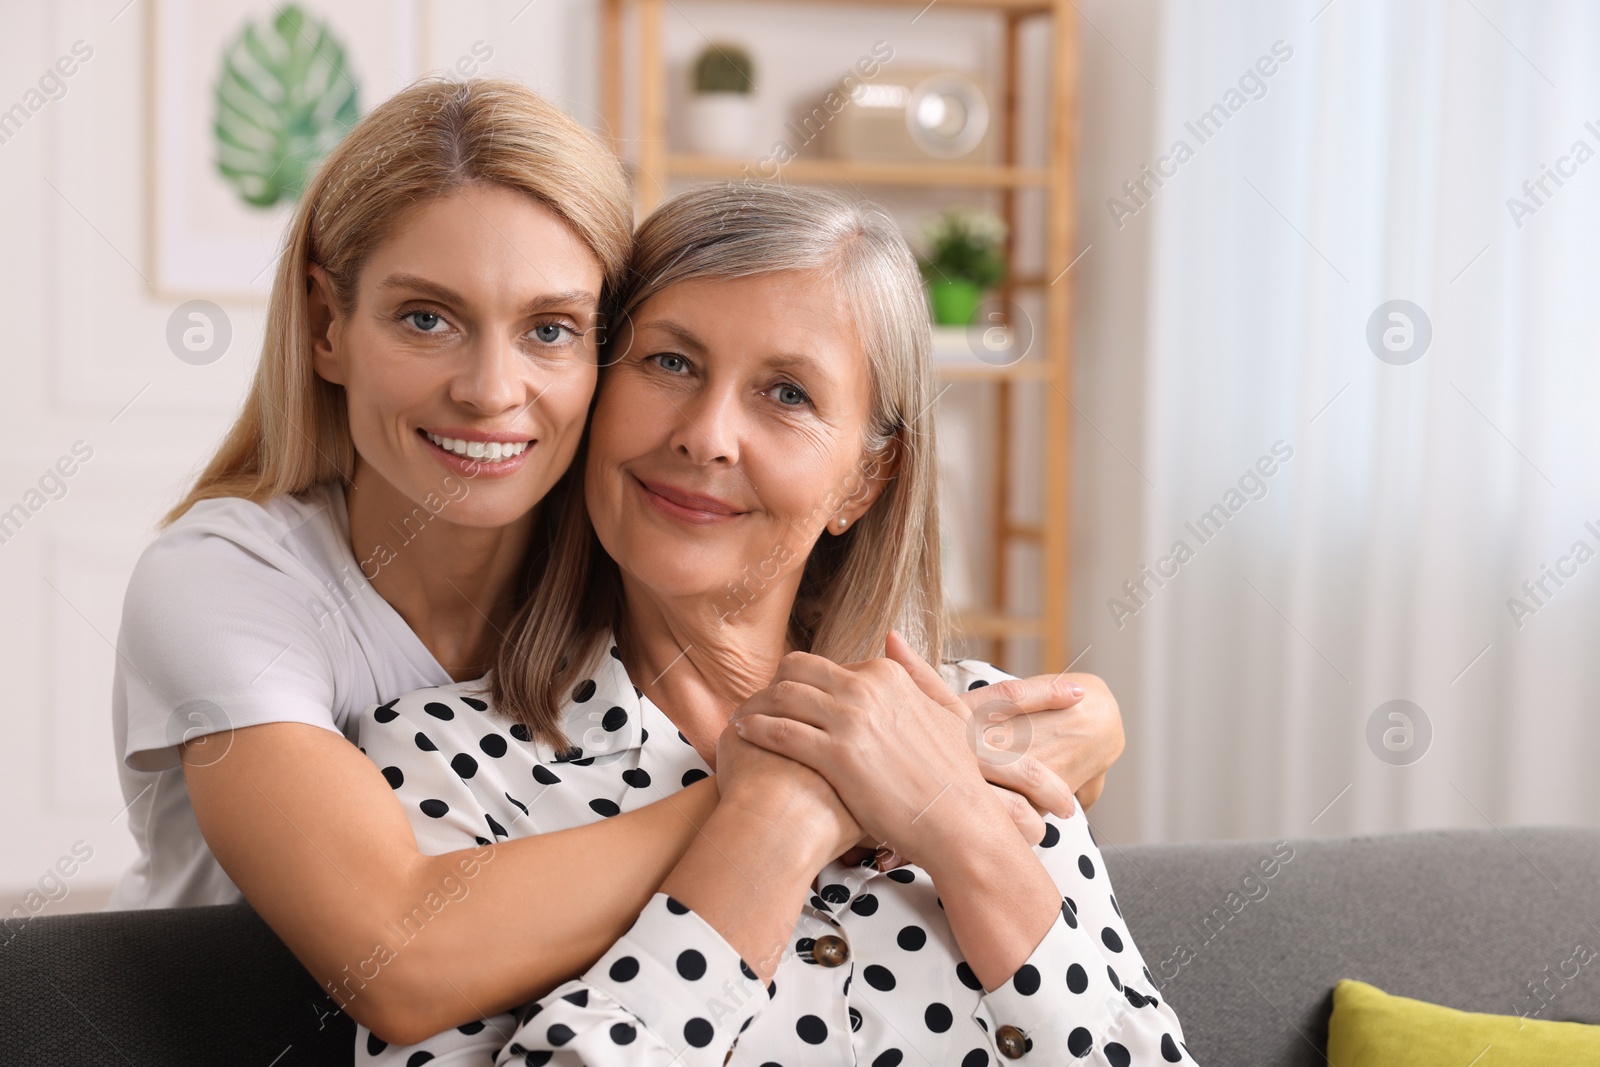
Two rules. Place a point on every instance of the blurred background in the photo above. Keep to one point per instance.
(1268, 332)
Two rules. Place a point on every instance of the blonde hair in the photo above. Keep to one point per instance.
(424, 142)
(881, 573)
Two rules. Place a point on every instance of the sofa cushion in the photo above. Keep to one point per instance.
(1474, 919)
(192, 986)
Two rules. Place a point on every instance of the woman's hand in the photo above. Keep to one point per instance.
(791, 797)
(1069, 722)
(891, 739)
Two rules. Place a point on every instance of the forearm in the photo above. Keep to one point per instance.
(747, 874)
(527, 921)
(317, 840)
(999, 899)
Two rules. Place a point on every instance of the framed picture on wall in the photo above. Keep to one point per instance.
(245, 96)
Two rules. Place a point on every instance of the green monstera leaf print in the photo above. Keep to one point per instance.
(285, 97)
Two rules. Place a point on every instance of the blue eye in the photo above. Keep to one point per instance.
(424, 320)
(549, 332)
(792, 395)
(672, 364)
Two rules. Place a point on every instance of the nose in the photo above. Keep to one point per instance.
(708, 426)
(493, 379)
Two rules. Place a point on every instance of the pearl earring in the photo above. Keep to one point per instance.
(843, 522)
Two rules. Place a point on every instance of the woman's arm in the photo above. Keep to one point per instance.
(682, 984)
(747, 874)
(311, 833)
(1041, 931)
(998, 898)
(1057, 973)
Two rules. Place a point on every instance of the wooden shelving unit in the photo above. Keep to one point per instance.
(654, 165)
(842, 172)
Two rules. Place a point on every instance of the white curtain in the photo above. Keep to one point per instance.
(1225, 314)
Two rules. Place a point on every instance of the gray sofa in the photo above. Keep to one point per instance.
(1473, 919)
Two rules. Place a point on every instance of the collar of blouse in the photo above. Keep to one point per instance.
(606, 715)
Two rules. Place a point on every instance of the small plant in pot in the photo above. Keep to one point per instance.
(964, 261)
(721, 117)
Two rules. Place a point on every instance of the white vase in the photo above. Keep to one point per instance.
(721, 124)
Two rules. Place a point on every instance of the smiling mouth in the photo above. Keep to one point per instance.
(691, 507)
(486, 451)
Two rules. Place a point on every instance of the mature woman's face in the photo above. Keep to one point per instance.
(728, 434)
(468, 360)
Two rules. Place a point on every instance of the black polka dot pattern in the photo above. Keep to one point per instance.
(1080, 1042)
(673, 991)
(811, 1029)
(691, 964)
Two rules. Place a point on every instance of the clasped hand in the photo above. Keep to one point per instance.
(895, 754)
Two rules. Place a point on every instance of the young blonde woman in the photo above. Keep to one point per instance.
(371, 524)
(769, 400)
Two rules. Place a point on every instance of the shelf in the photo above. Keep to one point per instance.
(1031, 371)
(848, 172)
(1025, 532)
(1017, 7)
(956, 359)
(989, 624)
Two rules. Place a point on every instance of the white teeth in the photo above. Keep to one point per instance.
(488, 451)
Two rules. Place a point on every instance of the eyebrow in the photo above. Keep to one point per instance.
(796, 361)
(446, 295)
(685, 336)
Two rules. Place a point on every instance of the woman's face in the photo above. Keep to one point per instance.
(729, 435)
(468, 360)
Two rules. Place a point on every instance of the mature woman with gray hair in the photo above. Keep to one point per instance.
(757, 522)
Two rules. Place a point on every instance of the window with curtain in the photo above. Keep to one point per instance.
(1339, 471)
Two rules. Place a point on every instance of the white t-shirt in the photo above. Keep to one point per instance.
(240, 614)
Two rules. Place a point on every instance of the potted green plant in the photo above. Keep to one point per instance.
(721, 115)
(964, 260)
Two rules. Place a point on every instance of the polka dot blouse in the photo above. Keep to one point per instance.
(873, 975)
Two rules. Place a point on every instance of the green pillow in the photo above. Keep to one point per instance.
(1370, 1028)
